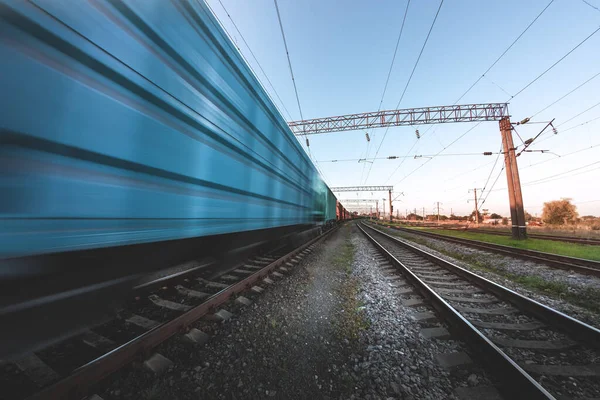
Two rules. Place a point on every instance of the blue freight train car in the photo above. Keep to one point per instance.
(133, 135)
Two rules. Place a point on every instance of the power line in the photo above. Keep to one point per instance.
(490, 175)
(555, 64)
(409, 79)
(493, 184)
(562, 97)
(583, 123)
(591, 5)
(394, 57)
(505, 51)
(255, 59)
(388, 77)
(558, 176)
(248, 64)
(568, 129)
(561, 177)
(583, 112)
(287, 53)
(454, 141)
(415, 157)
(564, 155)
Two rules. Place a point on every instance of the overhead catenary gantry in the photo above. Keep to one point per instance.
(368, 189)
(432, 115)
(403, 117)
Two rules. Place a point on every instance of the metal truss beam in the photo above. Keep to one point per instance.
(362, 189)
(404, 117)
(358, 201)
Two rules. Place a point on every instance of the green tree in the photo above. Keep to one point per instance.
(472, 216)
(559, 212)
(495, 216)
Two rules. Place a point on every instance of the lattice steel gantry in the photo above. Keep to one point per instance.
(403, 117)
(432, 115)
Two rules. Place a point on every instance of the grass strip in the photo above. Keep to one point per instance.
(588, 252)
(584, 297)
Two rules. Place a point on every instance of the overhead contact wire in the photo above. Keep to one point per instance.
(555, 64)
(287, 53)
(504, 53)
(387, 81)
(255, 59)
(409, 79)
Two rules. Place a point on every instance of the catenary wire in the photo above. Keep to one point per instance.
(555, 64)
(565, 95)
(256, 60)
(388, 77)
(489, 68)
(287, 53)
(409, 79)
(504, 53)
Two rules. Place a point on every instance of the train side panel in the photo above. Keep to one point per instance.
(138, 121)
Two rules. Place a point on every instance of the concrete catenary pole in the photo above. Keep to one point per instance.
(476, 210)
(391, 207)
(515, 196)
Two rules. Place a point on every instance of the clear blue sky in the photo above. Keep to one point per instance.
(341, 52)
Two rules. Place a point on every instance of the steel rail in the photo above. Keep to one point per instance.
(515, 380)
(578, 329)
(568, 239)
(588, 267)
(75, 386)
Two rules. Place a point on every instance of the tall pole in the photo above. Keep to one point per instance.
(383, 208)
(423, 214)
(476, 211)
(515, 196)
(391, 207)
(377, 209)
(438, 207)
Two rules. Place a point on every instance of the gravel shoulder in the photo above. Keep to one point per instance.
(331, 328)
(574, 294)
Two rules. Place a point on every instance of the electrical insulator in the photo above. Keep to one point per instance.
(554, 131)
(307, 143)
(487, 153)
(418, 134)
(392, 157)
(526, 120)
(367, 136)
(529, 141)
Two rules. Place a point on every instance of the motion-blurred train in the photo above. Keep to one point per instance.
(133, 137)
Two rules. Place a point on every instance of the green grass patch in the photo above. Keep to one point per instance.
(344, 257)
(353, 319)
(588, 252)
(587, 298)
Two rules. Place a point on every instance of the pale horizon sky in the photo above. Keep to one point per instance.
(341, 53)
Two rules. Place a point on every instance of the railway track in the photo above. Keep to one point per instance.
(160, 309)
(568, 239)
(535, 351)
(580, 265)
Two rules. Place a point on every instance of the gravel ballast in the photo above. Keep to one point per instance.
(473, 259)
(331, 328)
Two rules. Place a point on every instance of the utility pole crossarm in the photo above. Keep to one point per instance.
(403, 117)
